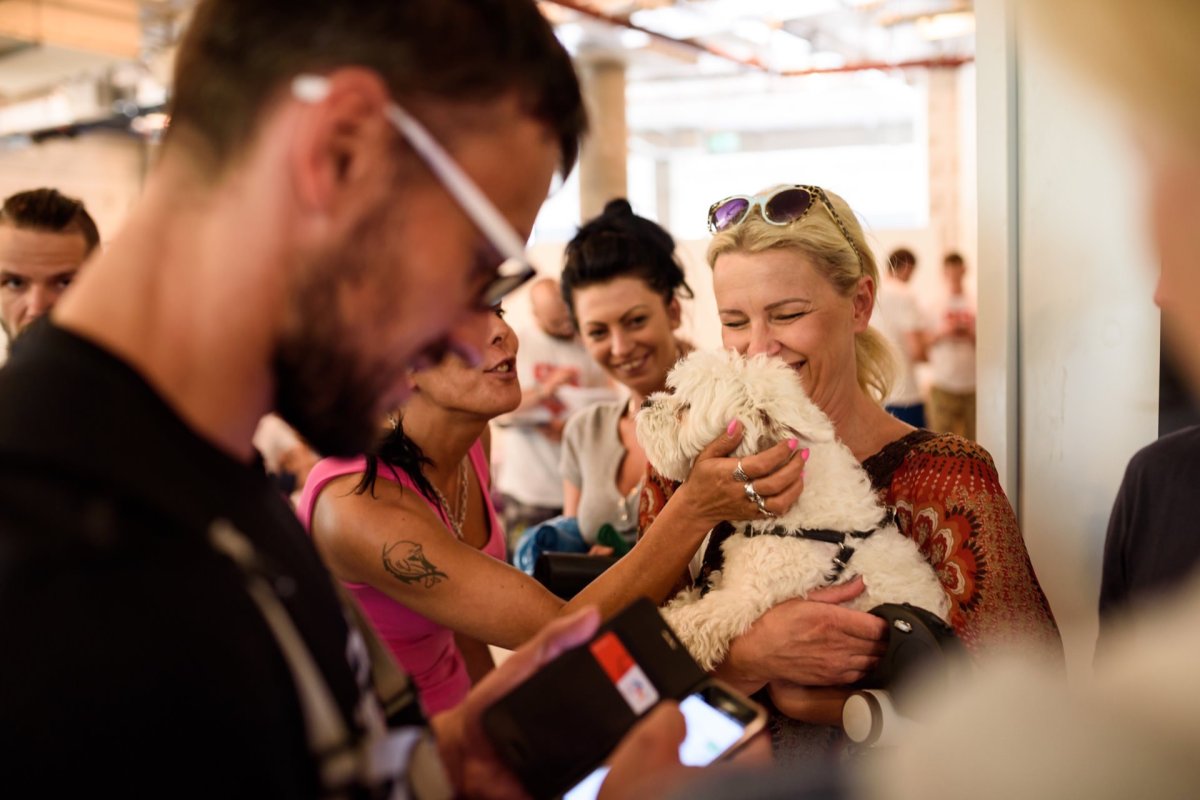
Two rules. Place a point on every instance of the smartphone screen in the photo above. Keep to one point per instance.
(710, 733)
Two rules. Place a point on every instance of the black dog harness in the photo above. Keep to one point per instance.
(843, 539)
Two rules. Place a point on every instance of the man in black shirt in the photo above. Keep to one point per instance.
(339, 185)
(1153, 540)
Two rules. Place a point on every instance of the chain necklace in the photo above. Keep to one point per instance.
(459, 516)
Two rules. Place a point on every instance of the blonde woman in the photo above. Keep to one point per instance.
(795, 279)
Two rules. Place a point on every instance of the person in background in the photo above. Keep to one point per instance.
(898, 316)
(551, 363)
(286, 457)
(951, 350)
(623, 286)
(45, 237)
(1153, 540)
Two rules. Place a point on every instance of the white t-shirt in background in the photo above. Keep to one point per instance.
(529, 467)
(952, 359)
(897, 314)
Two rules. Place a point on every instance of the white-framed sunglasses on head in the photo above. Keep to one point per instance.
(508, 244)
(781, 206)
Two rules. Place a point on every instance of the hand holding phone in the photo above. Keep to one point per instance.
(719, 721)
(556, 727)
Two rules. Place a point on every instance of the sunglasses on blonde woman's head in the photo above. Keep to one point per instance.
(513, 268)
(779, 207)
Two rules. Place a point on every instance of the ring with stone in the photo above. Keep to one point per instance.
(739, 474)
(751, 495)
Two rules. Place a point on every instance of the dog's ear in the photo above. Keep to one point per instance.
(786, 409)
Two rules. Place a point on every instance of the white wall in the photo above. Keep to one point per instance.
(1059, 204)
(105, 170)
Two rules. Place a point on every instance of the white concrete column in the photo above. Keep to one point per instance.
(944, 161)
(602, 160)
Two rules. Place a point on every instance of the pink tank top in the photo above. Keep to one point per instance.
(425, 650)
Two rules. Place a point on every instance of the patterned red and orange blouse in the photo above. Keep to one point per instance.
(947, 498)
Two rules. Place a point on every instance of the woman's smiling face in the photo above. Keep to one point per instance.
(629, 330)
(777, 302)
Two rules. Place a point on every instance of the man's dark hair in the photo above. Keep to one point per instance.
(52, 211)
(620, 244)
(900, 258)
(238, 54)
(954, 258)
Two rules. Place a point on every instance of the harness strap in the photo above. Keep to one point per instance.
(845, 551)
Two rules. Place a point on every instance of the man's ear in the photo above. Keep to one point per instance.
(340, 141)
(863, 303)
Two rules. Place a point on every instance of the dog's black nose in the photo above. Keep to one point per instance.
(647, 402)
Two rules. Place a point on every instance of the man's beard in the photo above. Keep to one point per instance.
(325, 394)
(324, 388)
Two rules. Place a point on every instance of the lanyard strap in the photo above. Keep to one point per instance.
(343, 761)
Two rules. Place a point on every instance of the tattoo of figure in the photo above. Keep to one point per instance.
(407, 563)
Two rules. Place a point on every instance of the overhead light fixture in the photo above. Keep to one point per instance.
(949, 25)
(634, 39)
(677, 22)
(753, 30)
(570, 35)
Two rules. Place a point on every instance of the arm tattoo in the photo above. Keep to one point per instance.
(407, 563)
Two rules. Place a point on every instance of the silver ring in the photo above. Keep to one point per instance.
(762, 506)
(739, 474)
(757, 499)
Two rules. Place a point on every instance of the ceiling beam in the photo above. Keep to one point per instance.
(110, 27)
(623, 21)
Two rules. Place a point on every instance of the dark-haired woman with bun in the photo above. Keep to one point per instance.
(623, 285)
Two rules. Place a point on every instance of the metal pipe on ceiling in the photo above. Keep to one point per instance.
(587, 10)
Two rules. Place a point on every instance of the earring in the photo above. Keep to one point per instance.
(394, 421)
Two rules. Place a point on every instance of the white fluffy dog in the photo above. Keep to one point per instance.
(772, 559)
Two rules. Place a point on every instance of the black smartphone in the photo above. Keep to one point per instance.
(719, 721)
(562, 722)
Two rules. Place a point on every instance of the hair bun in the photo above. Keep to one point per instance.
(618, 207)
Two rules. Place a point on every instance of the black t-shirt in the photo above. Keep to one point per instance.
(132, 655)
(1154, 531)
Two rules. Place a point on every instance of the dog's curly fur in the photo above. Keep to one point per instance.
(710, 388)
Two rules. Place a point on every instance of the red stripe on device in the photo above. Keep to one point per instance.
(624, 672)
(612, 655)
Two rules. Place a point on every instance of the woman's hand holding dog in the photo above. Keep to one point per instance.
(714, 495)
(810, 642)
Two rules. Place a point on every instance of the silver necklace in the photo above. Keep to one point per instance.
(627, 506)
(459, 516)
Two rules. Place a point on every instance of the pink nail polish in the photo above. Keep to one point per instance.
(732, 427)
(793, 444)
(804, 454)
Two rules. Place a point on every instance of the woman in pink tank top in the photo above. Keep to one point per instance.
(423, 551)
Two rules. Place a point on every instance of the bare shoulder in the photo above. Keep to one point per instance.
(345, 520)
